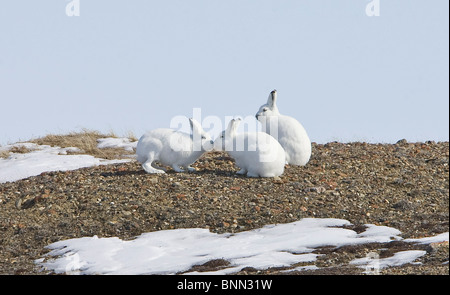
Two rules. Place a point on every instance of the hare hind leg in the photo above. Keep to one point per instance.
(158, 167)
(150, 169)
(147, 165)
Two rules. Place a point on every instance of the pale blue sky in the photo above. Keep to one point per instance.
(134, 65)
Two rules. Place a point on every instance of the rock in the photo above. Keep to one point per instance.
(402, 205)
(278, 180)
(319, 189)
(26, 202)
(126, 213)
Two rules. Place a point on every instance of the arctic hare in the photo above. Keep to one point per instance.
(173, 148)
(257, 153)
(290, 133)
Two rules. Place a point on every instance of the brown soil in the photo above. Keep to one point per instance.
(403, 185)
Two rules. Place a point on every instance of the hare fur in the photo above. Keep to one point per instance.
(287, 130)
(257, 153)
(172, 148)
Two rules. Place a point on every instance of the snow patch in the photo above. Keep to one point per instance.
(173, 251)
(44, 158)
(444, 237)
(399, 258)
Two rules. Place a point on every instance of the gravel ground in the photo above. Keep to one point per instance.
(403, 185)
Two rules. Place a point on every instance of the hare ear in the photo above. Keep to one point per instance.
(195, 126)
(271, 101)
(232, 126)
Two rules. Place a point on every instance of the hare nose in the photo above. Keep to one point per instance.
(211, 141)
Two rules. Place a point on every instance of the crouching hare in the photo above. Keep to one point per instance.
(257, 153)
(173, 148)
(287, 130)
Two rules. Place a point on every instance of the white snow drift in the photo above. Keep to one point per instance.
(173, 251)
(44, 158)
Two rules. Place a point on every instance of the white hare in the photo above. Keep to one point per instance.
(172, 148)
(257, 153)
(287, 130)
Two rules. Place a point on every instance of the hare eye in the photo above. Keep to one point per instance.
(264, 110)
(203, 137)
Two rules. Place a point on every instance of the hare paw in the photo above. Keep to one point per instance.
(242, 171)
(149, 169)
(190, 169)
(250, 174)
(177, 168)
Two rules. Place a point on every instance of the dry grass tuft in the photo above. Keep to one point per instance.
(86, 141)
(15, 149)
(131, 136)
(4, 154)
(20, 149)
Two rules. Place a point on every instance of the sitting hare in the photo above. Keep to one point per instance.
(287, 130)
(172, 148)
(257, 153)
